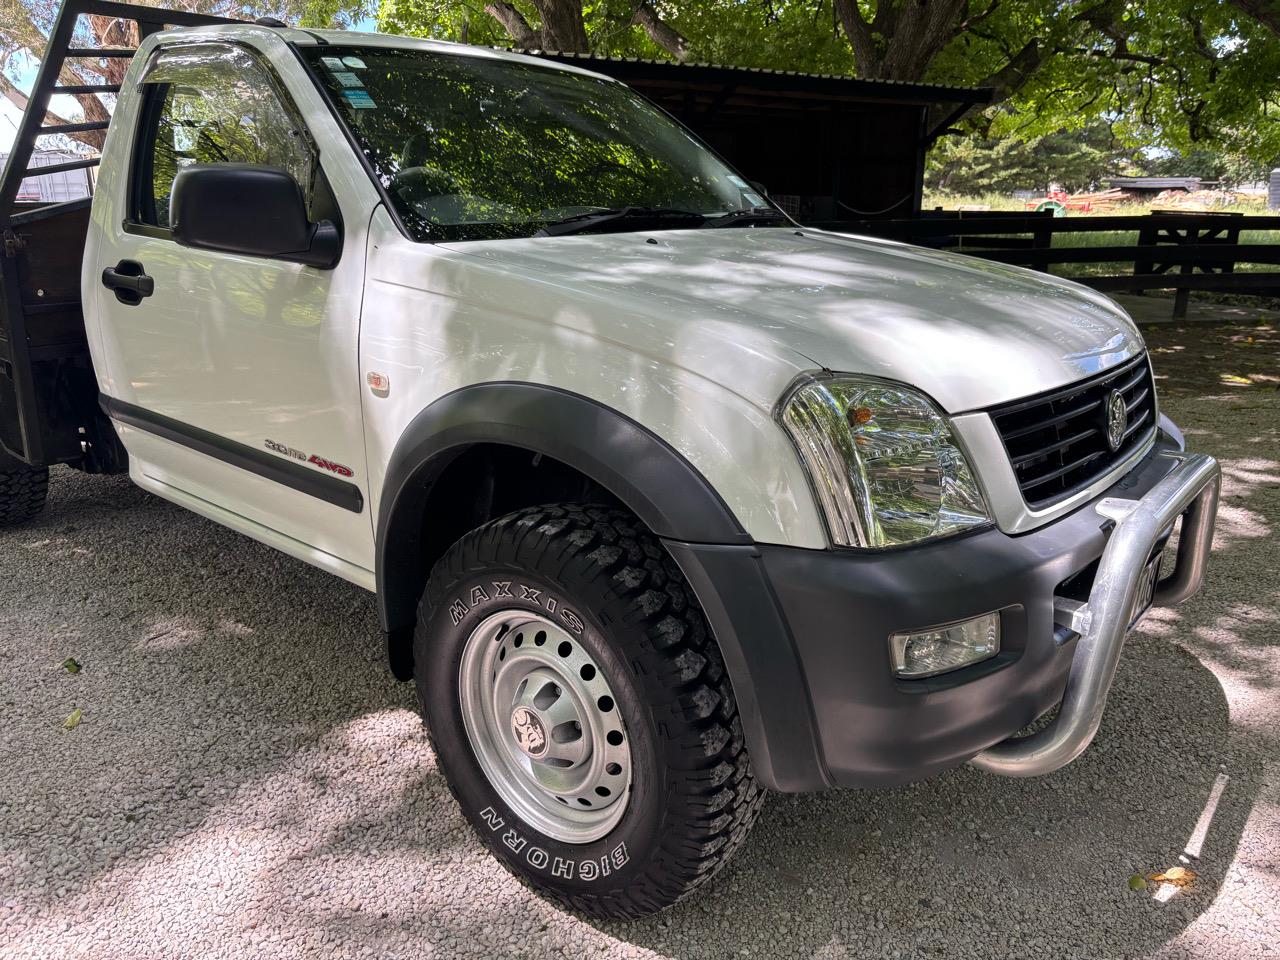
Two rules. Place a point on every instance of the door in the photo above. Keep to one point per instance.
(234, 378)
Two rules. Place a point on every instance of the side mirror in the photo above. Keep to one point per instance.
(258, 211)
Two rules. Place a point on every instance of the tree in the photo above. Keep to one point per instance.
(1180, 74)
(571, 26)
(25, 25)
(1076, 159)
(999, 43)
(1208, 163)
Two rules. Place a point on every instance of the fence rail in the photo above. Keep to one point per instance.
(1174, 250)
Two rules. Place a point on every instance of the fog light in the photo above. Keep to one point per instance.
(930, 652)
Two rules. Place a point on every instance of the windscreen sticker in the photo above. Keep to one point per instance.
(359, 99)
(354, 63)
(753, 198)
(331, 63)
(347, 78)
(738, 182)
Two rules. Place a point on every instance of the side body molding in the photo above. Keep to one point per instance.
(637, 467)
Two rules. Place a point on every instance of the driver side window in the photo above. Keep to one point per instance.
(213, 103)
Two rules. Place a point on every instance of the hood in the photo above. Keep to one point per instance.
(968, 332)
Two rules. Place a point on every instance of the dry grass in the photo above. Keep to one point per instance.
(999, 201)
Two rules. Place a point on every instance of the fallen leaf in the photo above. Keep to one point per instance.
(1232, 378)
(1178, 876)
(73, 720)
(70, 665)
(1137, 882)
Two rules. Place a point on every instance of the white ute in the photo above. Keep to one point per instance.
(666, 498)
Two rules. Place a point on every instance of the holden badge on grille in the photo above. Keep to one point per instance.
(1117, 420)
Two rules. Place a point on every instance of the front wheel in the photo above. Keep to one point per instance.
(580, 709)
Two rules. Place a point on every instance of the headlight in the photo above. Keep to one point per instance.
(883, 462)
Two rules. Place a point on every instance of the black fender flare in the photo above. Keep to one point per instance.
(642, 470)
(666, 492)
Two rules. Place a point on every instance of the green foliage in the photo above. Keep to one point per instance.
(1075, 159)
(1207, 163)
(1178, 74)
(325, 14)
(441, 20)
(784, 35)
(787, 35)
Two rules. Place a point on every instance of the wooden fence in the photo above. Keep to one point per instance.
(1174, 250)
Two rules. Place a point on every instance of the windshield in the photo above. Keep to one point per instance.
(474, 147)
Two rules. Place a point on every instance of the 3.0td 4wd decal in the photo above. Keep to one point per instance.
(320, 462)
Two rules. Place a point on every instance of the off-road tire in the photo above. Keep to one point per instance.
(693, 797)
(23, 491)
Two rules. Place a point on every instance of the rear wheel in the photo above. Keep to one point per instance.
(23, 491)
(580, 709)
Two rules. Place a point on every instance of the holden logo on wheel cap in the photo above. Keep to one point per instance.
(1117, 420)
(531, 735)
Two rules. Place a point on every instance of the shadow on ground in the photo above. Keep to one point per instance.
(248, 780)
(246, 769)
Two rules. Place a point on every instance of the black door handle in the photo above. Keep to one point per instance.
(129, 281)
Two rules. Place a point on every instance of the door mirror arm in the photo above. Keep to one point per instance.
(325, 247)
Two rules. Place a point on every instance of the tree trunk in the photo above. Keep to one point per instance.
(563, 28)
(1009, 79)
(902, 38)
(866, 56)
(1266, 12)
(922, 29)
(660, 32)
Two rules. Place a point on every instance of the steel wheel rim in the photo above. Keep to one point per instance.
(524, 683)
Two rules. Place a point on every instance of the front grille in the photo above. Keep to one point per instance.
(1057, 441)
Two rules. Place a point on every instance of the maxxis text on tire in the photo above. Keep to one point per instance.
(611, 594)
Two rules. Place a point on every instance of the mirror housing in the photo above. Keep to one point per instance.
(252, 210)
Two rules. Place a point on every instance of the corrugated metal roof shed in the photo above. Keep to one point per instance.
(826, 147)
(828, 84)
(1155, 183)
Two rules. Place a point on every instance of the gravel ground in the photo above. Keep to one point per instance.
(247, 781)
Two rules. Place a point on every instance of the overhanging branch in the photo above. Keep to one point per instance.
(660, 32)
(513, 21)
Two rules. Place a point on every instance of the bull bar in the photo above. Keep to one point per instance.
(1190, 490)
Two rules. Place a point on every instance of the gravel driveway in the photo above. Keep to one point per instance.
(247, 780)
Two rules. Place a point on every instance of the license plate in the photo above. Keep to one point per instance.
(1146, 592)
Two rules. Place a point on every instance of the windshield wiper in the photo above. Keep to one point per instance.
(585, 221)
(748, 215)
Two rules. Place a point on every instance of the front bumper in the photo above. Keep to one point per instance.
(805, 638)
